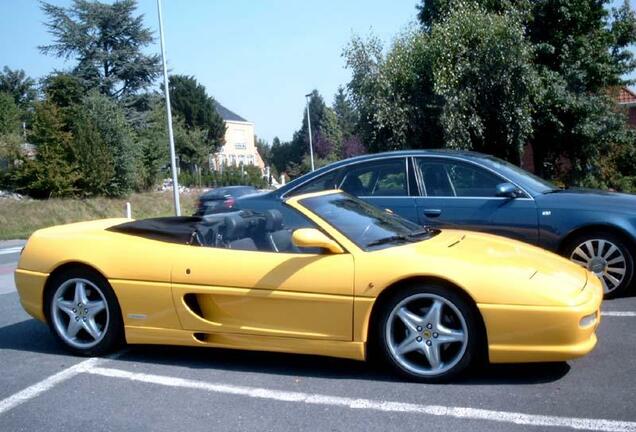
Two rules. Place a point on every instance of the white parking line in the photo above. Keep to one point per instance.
(618, 313)
(374, 405)
(12, 250)
(38, 388)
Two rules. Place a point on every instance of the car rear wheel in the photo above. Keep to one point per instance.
(83, 313)
(607, 256)
(428, 333)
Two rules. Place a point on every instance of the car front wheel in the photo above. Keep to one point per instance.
(83, 313)
(607, 256)
(428, 333)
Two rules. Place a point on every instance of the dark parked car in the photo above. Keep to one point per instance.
(479, 192)
(221, 199)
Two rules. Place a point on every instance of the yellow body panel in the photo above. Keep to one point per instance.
(531, 301)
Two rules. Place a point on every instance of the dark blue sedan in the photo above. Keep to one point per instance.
(451, 188)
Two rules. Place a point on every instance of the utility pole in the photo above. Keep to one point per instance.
(311, 146)
(173, 163)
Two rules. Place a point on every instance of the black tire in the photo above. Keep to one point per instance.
(475, 346)
(113, 331)
(624, 286)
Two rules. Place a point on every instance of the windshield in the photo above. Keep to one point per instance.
(532, 181)
(367, 226)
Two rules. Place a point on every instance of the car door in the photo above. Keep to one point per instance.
(463, 194)
(383, 183)
(259, 291)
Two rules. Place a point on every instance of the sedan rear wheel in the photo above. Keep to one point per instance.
(83, 313)
(606, 256)
(429, 334)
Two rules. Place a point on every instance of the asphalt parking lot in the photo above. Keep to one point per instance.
(42, 388)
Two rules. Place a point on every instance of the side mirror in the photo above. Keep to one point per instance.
(312, 238)
(507, 190)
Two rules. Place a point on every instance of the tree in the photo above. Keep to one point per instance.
(63, 89)
(9, 115)
(482, 70)
(19, 86)
(107, 119)
(153, 142)
(264, 150)
(190, 100)
(581, 51)
(345, 113)
(107, 40)
(52, 173)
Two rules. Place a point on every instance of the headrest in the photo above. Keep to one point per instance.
(273, 220)
(234, 227)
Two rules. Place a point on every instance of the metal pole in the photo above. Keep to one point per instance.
(173, 163)
(311, 146)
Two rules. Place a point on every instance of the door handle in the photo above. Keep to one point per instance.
(432, 212)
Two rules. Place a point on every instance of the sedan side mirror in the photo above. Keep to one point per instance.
(507, 190)
(312, 238)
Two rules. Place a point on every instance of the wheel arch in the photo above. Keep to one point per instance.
(597, 227)
(403, 283)
(60, 269)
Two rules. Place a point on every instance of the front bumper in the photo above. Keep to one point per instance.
(519, 334)
(30, 287)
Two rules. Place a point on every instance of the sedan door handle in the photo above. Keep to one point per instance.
(432, 212)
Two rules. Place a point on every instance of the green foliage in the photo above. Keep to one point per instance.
(494, 75)
(482, 70)
(102, 119)
(9, 115)
(63, 89)
(20, 86)
(153, 141)
(345, 112)
(191, 102)
(249, 175)
(264, 150)
(107, 40)
(327, 139)
(52, 173)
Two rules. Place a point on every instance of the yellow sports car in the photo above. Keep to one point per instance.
(321, 273)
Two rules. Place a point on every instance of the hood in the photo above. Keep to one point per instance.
(590, 198)
(495, 270)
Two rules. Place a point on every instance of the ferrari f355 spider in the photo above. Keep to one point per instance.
(321, 273)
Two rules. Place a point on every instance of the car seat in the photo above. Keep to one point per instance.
(279, 238)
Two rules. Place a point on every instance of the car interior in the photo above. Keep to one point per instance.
(245, 230)
(242, 229)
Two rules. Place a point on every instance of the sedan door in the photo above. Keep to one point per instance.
(459, 194)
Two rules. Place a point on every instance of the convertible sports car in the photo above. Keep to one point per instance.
(321, 273)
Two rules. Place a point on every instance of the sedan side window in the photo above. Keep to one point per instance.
(449, 178)
(326, 181)
(384, 178)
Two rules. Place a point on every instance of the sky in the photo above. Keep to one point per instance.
(257, 57)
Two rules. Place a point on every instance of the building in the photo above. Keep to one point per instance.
(240, 148)
(627, 99)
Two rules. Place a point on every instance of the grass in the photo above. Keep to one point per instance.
(18, 219)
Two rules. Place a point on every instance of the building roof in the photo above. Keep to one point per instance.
(226, 114)
(626, 96)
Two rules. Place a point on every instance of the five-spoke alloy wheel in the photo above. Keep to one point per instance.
(428, 333)
(606, 256)
(83, 312)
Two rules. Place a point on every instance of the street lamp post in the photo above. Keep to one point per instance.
(173, 163)
(311, 146)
